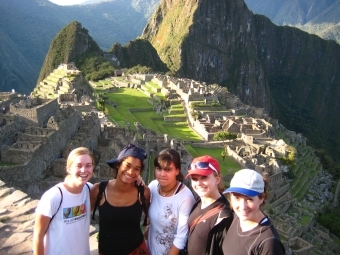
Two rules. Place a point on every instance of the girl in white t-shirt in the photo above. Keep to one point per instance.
(171, 203)
(63, 213)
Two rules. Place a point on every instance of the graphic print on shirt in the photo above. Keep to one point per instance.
(168, 221)
(74, 214)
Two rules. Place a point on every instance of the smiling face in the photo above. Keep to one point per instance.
(246, 208)
(129, 169)
(81, 170)
(205, 186)
(166, 175)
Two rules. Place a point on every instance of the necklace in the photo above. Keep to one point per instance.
(166, 193)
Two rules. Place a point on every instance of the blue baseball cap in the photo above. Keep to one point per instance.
(129, 150)
(246, 182)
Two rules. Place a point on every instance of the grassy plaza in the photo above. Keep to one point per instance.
(129, 98)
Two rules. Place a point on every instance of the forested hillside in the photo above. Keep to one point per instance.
(28, 27)
(320, 17)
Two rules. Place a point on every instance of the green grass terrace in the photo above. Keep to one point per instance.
(128, 100)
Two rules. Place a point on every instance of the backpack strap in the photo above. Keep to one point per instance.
(88, 186)
(213, 211)
(61, 200)
(142, 198)
(102, 186)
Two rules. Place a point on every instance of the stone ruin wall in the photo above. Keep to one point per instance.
(67, 98)
(9, 129)
(304, 247)
(87, 136)
(281, 200)
(145, 77)
(36, 116)
(41, 157)
(236, 157)
(280, 192)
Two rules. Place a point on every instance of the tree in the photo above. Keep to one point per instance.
(102, 99)
(223, 136)
(194, 114)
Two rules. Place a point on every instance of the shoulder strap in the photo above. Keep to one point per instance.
(102, 186)
(142, 198)
(213, 211)
(179, 188)
(61, 200)
(88, 186)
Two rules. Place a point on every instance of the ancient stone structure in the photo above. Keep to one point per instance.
(42, 132)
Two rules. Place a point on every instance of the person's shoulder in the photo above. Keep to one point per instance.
(89, 184)
(54, 191)
(186, 190)
(153, 184)
(187, 193)
(52, 195)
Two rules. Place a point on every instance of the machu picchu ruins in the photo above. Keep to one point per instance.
(38, 132)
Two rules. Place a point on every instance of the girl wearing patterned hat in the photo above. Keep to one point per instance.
(211, 215)
(251, 231)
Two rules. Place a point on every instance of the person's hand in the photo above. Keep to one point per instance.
(146, 232)
(140, 181)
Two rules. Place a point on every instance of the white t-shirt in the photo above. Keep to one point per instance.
(68, 232)
(168, 219)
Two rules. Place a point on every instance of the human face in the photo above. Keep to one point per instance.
(166, 176)
(246, 208)
(130, 169)
(205, 186)
(81, 169)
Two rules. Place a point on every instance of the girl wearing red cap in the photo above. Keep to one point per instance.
(211, 215)
(120, 205)
(251, 231)
(171, 202)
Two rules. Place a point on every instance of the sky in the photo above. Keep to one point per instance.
(67, 2)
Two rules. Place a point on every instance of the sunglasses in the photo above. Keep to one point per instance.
(135, 148)
(202, 165)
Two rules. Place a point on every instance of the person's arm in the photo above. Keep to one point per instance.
(147, 197)
(94, 194)
(173, 250)
(181, 235)
(40, 228)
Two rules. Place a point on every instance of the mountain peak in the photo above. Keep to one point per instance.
(69, 44)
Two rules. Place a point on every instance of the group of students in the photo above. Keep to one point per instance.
(177, 221)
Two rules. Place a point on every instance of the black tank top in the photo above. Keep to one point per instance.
(119, 228)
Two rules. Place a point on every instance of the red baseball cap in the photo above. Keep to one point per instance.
(204, 165)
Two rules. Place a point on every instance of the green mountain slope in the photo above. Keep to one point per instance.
(28, 27)
(293, 75)
(138, 52)
(316, 17)
(71, 44)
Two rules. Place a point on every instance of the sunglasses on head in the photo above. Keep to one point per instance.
(137, 149)
(202, 165)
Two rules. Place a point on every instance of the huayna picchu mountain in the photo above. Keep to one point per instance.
(295, 76)
(71, 44)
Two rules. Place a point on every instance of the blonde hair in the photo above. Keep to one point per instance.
(77, 152)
